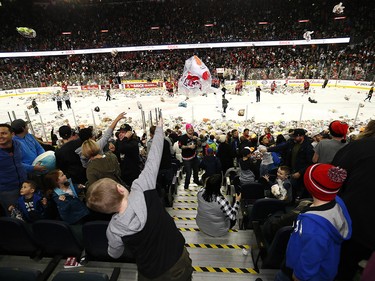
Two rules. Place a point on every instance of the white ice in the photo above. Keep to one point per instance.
(281, 110)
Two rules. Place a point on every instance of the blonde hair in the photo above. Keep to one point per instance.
(103, 196)
(369, 130)
(90, 148)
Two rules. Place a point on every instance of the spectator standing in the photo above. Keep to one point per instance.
(225, 154)
(67, 159)
(189, 143)
(358, 158)
(100, 165)
(87, 133)
(141, 224)
(299, 153)
(326, 149)
(165, 174)
(127, 152)
(12, 171)
(29, 145)
(313, 250)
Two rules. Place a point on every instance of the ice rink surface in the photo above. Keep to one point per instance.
(283, 110)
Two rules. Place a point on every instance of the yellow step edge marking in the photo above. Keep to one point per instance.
(184, 209)
(224, 269)
(217, 246)
(186, 201)
(197, 229)
(183, 218)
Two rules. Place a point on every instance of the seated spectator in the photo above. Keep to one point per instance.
(215, 215)
(31, 205)
(66, 196)
(247, 167)
(100, 165)
(281, 188)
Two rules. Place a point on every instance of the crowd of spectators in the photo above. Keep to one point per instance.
(177, 22)
(351, 62)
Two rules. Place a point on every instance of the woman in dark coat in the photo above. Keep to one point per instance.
(225, 154)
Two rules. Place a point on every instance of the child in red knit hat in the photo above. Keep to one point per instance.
(313, 251)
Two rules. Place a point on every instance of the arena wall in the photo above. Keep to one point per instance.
(141, 84)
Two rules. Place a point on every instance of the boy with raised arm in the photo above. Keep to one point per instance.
(141, 224)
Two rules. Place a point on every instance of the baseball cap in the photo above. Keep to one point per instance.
(18, 124)
(65, 132)
(125, 127)
(299, 132)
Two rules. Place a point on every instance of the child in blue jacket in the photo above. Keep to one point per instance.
(30, 205)
(313, 251)
(65, 194)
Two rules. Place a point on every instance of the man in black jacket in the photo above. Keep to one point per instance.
(358, 193)
(67, 159)
(299, 154)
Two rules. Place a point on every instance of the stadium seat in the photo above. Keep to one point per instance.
(86, 276)
(19, 274)
(96, 244)
(265, 207)
(250, 193)
(17, 239)
(272, 255)
(80, 276)
(56, 238)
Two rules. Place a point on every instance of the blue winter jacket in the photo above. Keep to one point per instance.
(31, 149)
(313, 251)
(72, 209)
(12, 172)
(38, 209)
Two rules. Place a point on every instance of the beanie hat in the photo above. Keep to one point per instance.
(338, 129)
(323, 181)
(189, 126)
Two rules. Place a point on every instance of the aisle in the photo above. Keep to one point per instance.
(214, 258)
